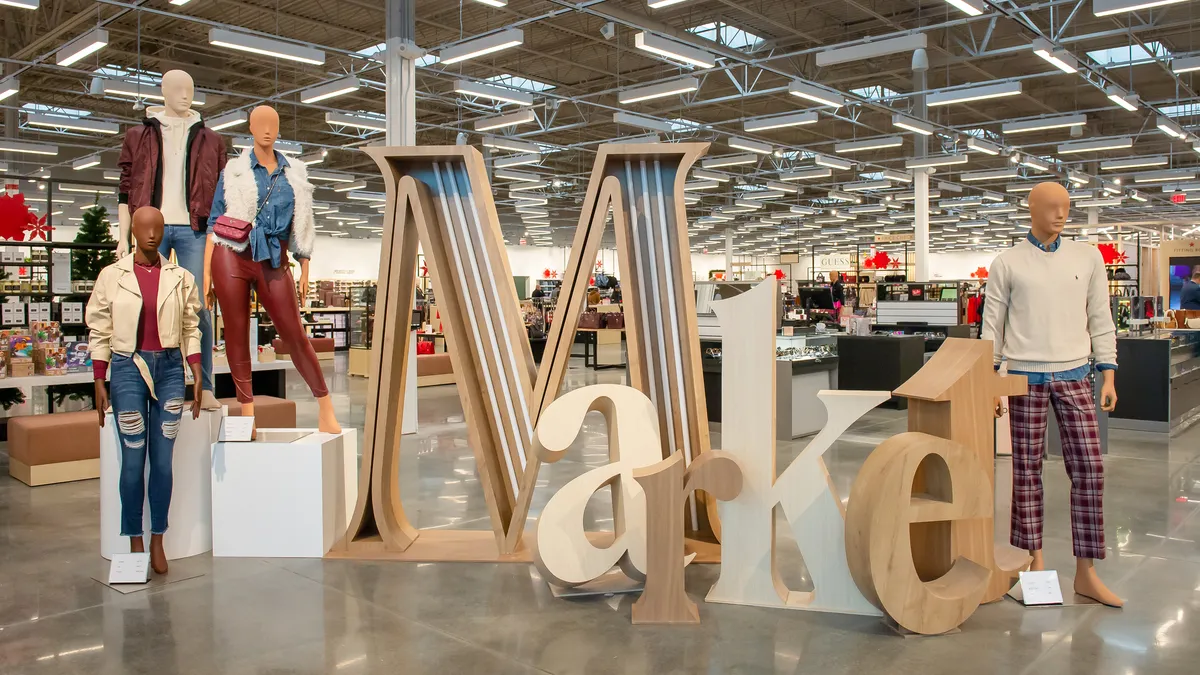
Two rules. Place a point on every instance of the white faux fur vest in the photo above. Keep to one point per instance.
(241, 201)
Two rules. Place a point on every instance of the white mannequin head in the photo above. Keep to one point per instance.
(177, 89)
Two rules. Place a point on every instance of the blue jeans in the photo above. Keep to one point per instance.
(146, 427)
(188, 245)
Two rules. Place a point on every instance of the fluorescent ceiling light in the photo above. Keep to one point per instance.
(522, 186)
(971, 7)
(660, 90)
(314, 158)
(524, 176)
(1044, 123)
(1185, 65)
(1059, 58)
(1110, 7)
(898, 176)
(1164, 176)
(1097, 145)
(286, 147)
(534, 200)
(361, 196)
(642, 121)
(359, 185)
(971, 176)
(816, 94)
(82, 47)
(356, 121)
(973, 93)
(265, 46)
(87, 189)
(1122, 98)
(710, 175)
(1133, 163)
(500, 121)
(960, 202)
(802, 210)
(805, 174)
(834, 162)
(914, 125)
(839, 196)
(20, 4)
(937, 160)
(701, 185)
(661, 46)
(782, 187)
(488, 44)
(864, 185)
(868, 208)
(1137, 196)
(504, 94)
(331, 176)
(748, 204)
(1095, 203)
(728, 160)
(102, 86)
(86, 163)
(510, 144)
(72, 123)
(494, 3)
(516, 160)
(780, 121)
(1170, 128)
(329, 90)
(747, 144)
(980, 145)
(872, 49)
(869, 144)
(228, 120)
(1078, 178)
(8, 87)
(112, 175)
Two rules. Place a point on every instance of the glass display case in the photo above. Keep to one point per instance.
(1158, 383)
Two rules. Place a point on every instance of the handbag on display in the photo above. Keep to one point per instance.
(237, 230)
(589, 319)
(614, 320)
(424, 347)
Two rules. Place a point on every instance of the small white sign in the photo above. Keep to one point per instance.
(237, 429)
(129, 568)
(1041, 588)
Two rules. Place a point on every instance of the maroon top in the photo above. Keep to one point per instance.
(147, 330)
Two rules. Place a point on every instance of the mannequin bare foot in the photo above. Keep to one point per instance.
(1039, 563)
(209, 402)
(326, 421)
(137, 545)
(248, 411)
(158, 557)
(1089, 585)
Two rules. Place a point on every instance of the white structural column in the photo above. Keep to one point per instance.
(921, 225)
(399, 60)
(729, 254)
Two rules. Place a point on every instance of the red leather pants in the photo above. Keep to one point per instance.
(233, 276)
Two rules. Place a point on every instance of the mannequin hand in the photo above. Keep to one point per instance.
(303, 287)
(197, 398)
(1000, 410)
(122, 249)
(1108, 396)
(101, 401)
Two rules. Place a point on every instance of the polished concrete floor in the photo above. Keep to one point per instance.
(314, 616)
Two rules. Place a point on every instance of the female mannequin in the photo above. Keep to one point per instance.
(263, 187)
(144, 317)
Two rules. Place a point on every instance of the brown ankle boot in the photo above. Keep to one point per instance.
(137, 545)
(158, 557)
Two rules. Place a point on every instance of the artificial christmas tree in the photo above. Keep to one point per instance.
(86, 264)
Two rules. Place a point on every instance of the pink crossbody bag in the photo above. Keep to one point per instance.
(236, 230)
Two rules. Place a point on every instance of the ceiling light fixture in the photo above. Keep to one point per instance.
(914, 125)
(356, 121)
(701, 185)
(1098, 145)
(1033, 163)
(1078, 178)
(780, 121)
(1043, 124)
(1096, 203)
(994, 174)
(728, 160)
(622, 117)
(935, 161)
(970, 7)
(488, 44)
(864, 185)
(1185, 65)
(360, 185)
(834, 162)
(1059, 58)
(1164, 176)
(973, 93)
(81, 47)
(898, 176)
(331, 176)
(228, 120)
(980, 145)
(649, 42)
(869, 144)
(1122, 98)
(782, 187)
(710, 175)
(72, 123)
(871, 49)
(20, 4)
(1133, 163)
(525, 176)
(8, 87)
(747, 144)
(504, 94)
(86, 163)
(805, 174)
(314, 158)
(112, 175)
(329, 90)
(255, 44)
(1170, 128)
(661, 90)
(510, 144)
(102, 86)
(1109, 7)
(816, 94)
(516, 160)
(500, 121)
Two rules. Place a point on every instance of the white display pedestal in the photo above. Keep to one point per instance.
(189, 530)
(408, 424)
(283, 498)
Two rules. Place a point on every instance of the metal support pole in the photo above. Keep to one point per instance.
(920, 67)
(729, 254)
(400, 66)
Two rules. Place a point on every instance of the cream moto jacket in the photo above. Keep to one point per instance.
(116, 306)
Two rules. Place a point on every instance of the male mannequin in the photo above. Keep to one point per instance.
(172, 162)
(1047, 312)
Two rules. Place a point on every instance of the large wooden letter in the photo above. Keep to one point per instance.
(952, 397)
(804, 490)
(665, 484)
(922, 585)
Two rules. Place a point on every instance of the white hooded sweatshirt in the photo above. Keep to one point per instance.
(174, 158)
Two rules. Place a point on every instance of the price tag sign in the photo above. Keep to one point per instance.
(129, 568)
(237, 429)
(1041, 588)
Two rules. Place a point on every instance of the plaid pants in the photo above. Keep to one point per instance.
(1076, 412)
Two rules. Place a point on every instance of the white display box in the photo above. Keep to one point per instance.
(189, 524)
(283, 498)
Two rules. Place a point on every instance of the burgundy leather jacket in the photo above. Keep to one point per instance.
(141, 169)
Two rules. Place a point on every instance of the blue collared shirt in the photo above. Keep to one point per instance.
(1074, 374)
(273, 227)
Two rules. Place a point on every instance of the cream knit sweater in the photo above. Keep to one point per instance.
(1047, 312)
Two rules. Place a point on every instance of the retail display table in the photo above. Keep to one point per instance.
(1158, 383)
(879, 362)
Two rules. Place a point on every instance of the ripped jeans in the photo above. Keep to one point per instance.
(146, 427)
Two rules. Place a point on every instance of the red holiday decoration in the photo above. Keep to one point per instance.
(591, 281)
(41, 229)
(546, 273)
(424, 270)
(878, 261)
(1111, 255)
(15, 217)
(981, 273)
(779, 274)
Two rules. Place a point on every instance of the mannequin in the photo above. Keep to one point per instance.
(1047, 312)
(172, 162)
(144, 320)
(265, 188)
